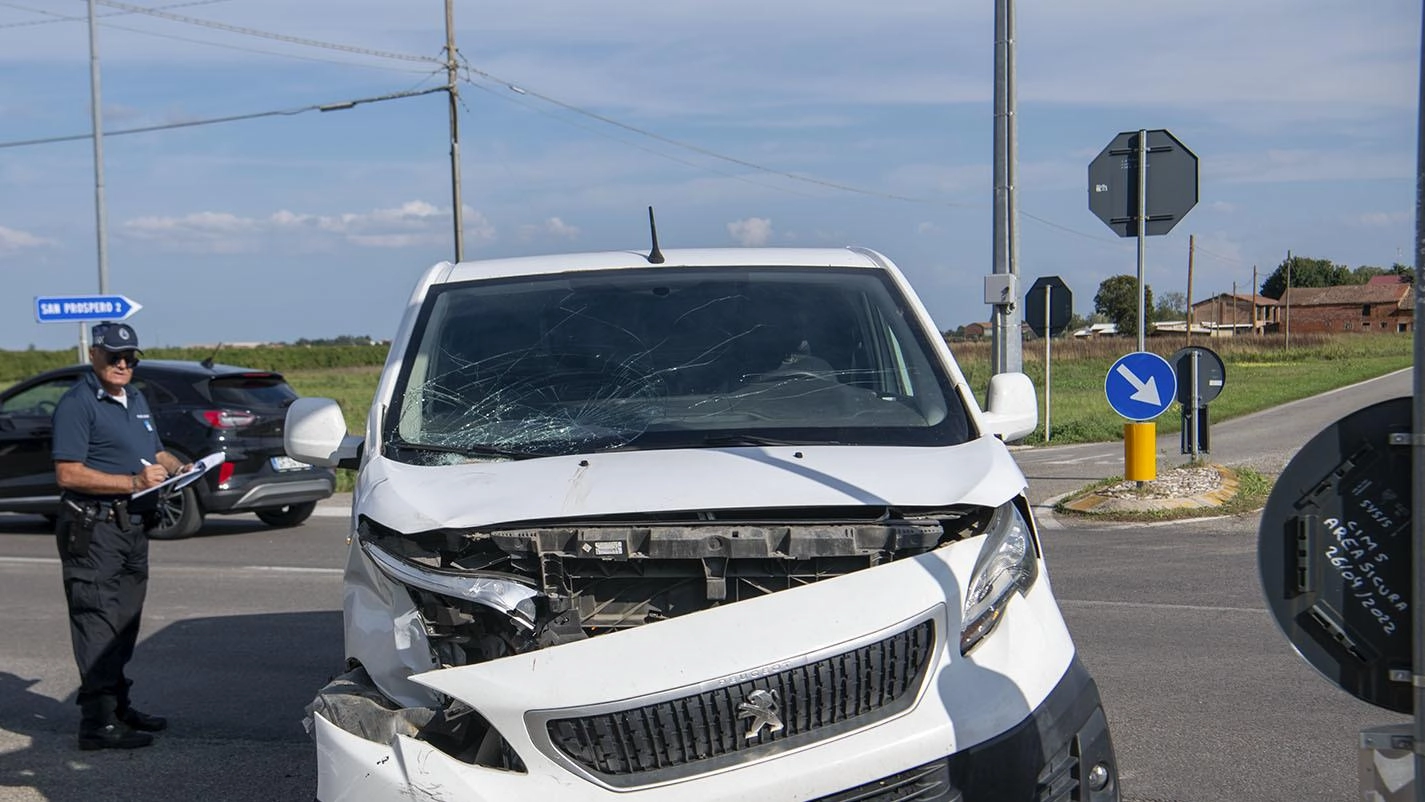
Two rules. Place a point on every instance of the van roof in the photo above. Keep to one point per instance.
(689, 257)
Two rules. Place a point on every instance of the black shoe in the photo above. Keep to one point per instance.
(143, 722)
(112, 736)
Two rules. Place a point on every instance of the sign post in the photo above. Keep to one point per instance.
(81, 308)
(1140, 386)
(70, 308)
(1201, 376)
(1123, 197)
(1047, 308)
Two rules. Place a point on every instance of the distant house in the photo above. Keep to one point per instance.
(1226, 314)
(1389, 278)
(974, 331)
(1097, 330)
(1352, 307)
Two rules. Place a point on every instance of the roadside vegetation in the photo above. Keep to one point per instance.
(1261, 372)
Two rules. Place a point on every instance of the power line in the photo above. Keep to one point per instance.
(706, 152)
(67, 18)
(337, 106)
(278, 37)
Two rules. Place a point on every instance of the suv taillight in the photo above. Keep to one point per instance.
(225, 418)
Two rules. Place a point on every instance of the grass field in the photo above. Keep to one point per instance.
(1261, 372)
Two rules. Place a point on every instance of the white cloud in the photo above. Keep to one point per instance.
(751, 232)
(1382, 219)
(553, 228)
(412, 224)
(12, 240)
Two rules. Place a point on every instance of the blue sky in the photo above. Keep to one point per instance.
(741, 123)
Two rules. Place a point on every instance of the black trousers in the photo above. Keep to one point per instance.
(105, 592)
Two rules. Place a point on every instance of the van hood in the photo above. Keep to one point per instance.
(411, 498)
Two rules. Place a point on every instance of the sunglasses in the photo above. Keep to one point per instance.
(115, 357)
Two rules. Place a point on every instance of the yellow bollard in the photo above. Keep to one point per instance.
(1140, 458)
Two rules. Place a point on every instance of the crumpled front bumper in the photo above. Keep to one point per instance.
(1018, 715)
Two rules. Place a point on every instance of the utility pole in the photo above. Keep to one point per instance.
(1007, 346)
(1190, 314)
(1286, 294)
(1254, 301)
(100, 215)
(1234, 308)
(452, 90)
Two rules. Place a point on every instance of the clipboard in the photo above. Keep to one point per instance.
(179, 481)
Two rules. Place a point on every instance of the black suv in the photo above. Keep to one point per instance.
(200, 408)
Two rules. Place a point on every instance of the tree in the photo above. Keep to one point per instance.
(1117, 300)
(1171, 306)
(1306, 272)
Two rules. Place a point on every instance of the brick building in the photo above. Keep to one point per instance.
(1382, 307)
(1230, 314)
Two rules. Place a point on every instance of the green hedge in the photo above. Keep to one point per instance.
(17, 365)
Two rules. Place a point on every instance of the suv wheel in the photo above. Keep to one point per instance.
(178, 516)
(287, 515)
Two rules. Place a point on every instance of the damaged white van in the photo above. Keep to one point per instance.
(717, 524)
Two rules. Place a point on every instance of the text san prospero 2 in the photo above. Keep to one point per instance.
(94, 307)
(1359, 558)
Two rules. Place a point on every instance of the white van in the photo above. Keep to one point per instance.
(717, 524)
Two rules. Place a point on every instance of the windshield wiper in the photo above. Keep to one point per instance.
(472, 450)
(757, 440)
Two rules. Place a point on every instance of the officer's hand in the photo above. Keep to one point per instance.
(153, 475)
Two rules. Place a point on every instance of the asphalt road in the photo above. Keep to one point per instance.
(1205, 697)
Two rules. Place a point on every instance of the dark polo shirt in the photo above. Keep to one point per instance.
(92, 428)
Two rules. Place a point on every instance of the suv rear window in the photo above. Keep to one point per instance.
(252, 390)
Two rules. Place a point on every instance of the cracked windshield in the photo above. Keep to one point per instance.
(661, 358)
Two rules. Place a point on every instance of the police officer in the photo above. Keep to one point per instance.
(106, 448)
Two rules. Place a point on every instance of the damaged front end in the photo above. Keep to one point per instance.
(447, 598)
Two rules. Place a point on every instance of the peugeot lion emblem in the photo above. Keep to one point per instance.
(761, 707)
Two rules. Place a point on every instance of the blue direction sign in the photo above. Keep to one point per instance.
(1140, 386)
(67, 308)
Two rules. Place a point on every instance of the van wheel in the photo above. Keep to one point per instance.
(178, 516)
(286, 515)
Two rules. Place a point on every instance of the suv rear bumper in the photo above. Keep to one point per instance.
(263, 494)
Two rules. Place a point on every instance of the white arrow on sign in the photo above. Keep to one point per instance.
(1147, 392)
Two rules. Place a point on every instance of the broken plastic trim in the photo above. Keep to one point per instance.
(512, 598)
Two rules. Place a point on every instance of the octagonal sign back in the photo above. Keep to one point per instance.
(1171, 183)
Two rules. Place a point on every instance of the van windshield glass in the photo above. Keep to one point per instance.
(667, 358)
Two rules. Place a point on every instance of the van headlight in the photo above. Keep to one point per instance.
(1008, 564)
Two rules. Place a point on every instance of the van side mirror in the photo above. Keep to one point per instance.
(1012, 406)
(315, 433)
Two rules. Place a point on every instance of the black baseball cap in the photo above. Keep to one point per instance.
(115, 337)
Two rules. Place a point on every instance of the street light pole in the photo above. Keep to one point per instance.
(100, 215)
(1008, 342)
(453, 91)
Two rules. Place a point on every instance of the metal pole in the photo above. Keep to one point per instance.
(1417, 463)
(1007, 345)
(1142, 223)
(453, 91)
(1286, 323)
(1048, 335)
(100, 215)
(1190, 314)
(1192, 372)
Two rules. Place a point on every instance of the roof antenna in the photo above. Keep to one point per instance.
(655, 256)
(208, 363)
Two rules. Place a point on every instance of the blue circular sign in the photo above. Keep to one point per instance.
(1140, 386)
